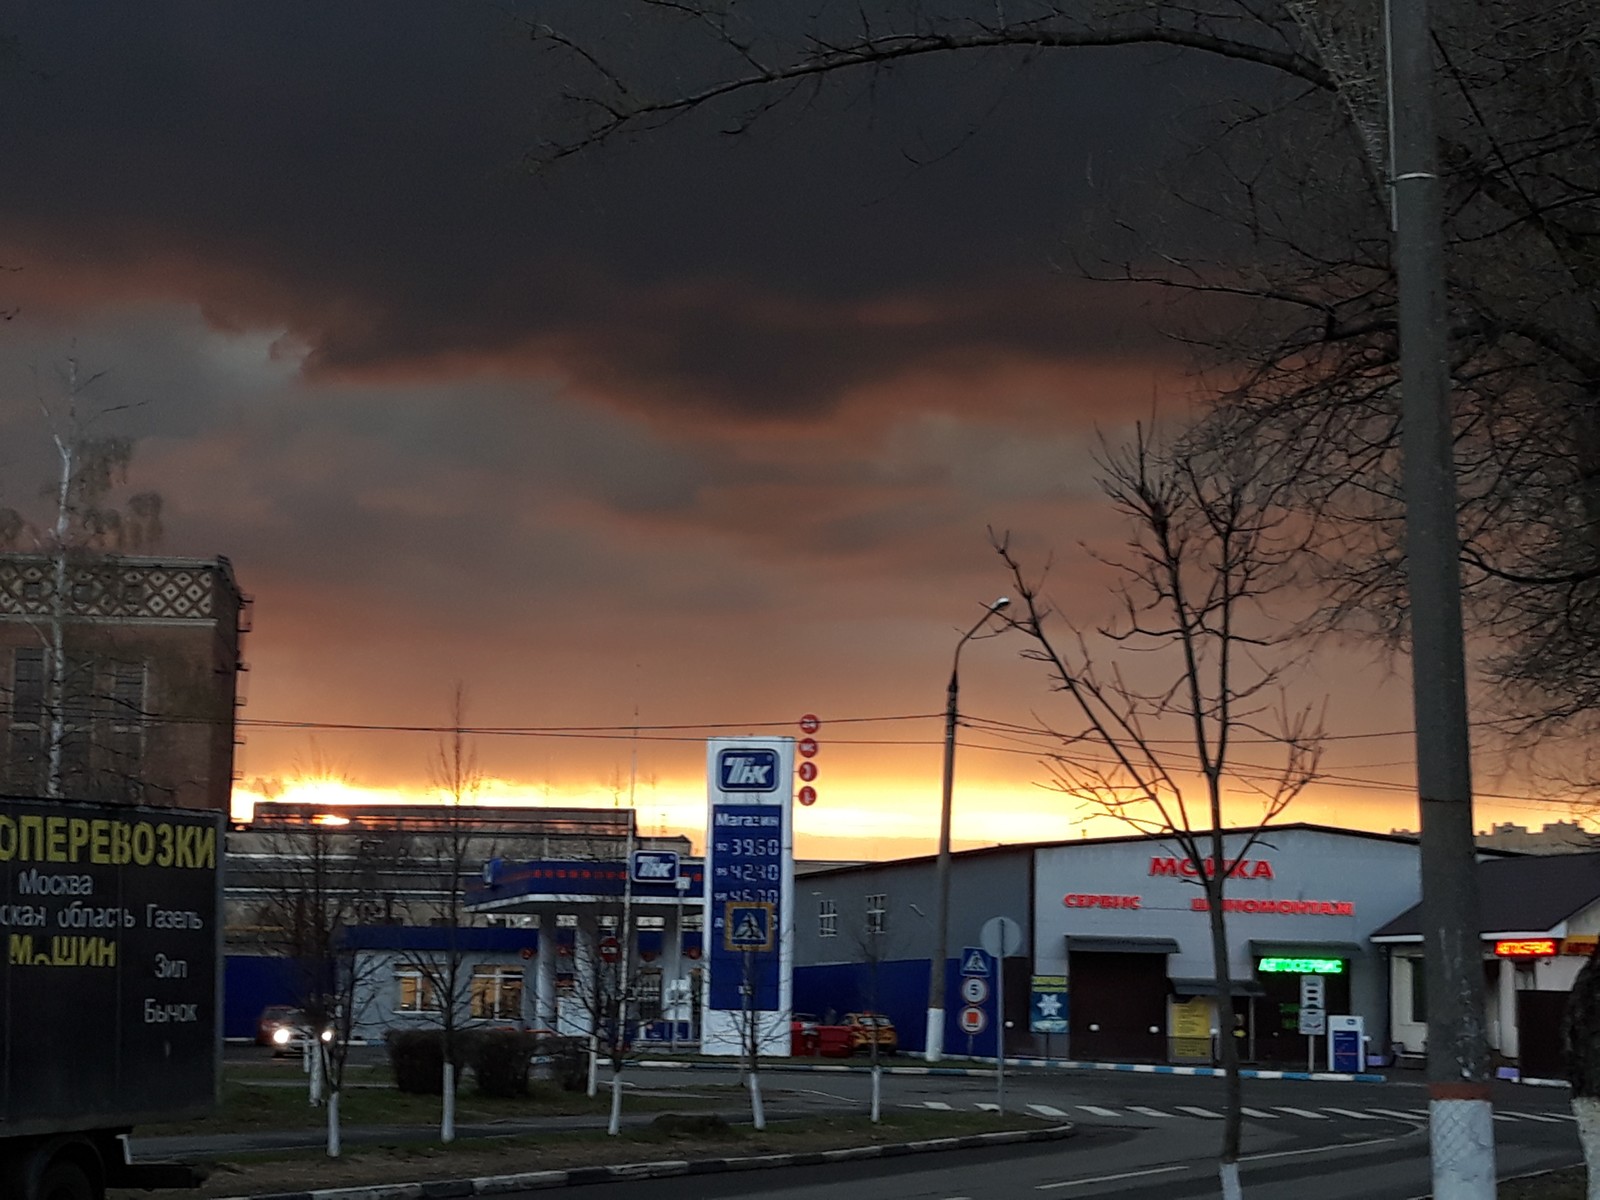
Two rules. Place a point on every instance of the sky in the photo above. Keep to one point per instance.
(690, 435)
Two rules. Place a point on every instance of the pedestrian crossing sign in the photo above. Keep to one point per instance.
(974, 962)
(748, 925)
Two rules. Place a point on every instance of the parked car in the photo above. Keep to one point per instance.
(802, 1035)
(865, 1028)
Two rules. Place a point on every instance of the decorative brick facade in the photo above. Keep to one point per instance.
(149, 685)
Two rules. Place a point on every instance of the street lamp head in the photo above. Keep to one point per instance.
(999, 604)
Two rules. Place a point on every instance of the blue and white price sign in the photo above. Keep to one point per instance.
(748, 868)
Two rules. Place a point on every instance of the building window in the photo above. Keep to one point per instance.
(878, 913)
(27, 687)
(416, 994)
(827, 918)
(1419, 991)
(496, 992)
(101, 725)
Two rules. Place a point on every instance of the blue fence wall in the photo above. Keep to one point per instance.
(250, 982)
(902, 995)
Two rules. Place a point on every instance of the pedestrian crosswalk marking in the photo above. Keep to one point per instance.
(1276, 1112)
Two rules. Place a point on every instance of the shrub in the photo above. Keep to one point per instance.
(500, 1060)
(569, 1061)
(416, 1056)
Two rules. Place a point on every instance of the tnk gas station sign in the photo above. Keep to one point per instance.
(749, 879)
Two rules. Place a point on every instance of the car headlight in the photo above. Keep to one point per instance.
(327, 1035)
(280, 1036)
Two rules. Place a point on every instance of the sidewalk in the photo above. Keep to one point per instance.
(899, 1067)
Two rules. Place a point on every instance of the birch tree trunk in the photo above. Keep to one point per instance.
(1581, 1034)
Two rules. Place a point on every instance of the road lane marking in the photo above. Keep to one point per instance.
(1066, 1183)
(1151, 1112)
(1317, 1149)
(1198, 1112)
(1260, 1114)
(938, 1104)
(1300, 1112)
(1418, 1115)
(1098, 1112)
(1351, 1113)
(982, 1107)
(1535, 1117)
(1045, 1110)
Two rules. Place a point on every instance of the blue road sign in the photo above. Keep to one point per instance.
(1047, 1008)
(974, 962)
(748, 926)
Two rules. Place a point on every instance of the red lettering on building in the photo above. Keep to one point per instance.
(1282, 908)
(1236, 868)
(1081, 900)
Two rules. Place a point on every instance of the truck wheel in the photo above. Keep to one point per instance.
(66, 1181)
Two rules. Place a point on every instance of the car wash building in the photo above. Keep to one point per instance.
(1126, 922)
(1116, 959)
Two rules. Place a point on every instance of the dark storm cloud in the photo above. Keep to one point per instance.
(354, 175)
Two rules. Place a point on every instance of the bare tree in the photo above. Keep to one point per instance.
(447, 853)
(872, 944)
(1212, 548)
(86, 688)
(1293, 189)
(312, 900)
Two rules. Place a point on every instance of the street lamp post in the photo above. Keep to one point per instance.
(941, 947)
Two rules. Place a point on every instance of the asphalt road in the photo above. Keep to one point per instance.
(1143, 1137)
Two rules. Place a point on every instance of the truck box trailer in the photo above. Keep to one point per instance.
(110, 989)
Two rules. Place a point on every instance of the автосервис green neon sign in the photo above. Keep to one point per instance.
(1300, 966)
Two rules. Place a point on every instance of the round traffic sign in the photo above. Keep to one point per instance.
(808, 771)
(974, 989)
(610, 949)
(807, 796)
(807, 747)
(974, 1020)
(809, 723)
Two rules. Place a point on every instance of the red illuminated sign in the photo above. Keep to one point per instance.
(1076, 900)
(1237, 868)
(1282, 908)
(1526, 948)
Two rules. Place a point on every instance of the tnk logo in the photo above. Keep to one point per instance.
(655, 866)
(747, 770)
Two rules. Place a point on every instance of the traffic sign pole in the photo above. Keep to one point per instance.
(1000, 1033)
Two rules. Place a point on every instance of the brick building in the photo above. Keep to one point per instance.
(144, 705)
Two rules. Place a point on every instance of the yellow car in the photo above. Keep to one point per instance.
(869, 1027)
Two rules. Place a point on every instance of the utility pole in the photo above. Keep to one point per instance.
(1461, 1118)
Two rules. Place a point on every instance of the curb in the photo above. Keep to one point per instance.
(496, 1185)
(1058, 1064)
(809, 1068)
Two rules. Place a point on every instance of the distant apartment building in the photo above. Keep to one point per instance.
(141, 706)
